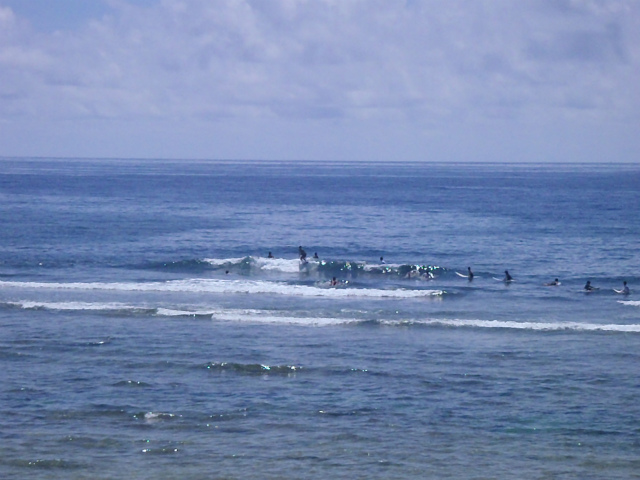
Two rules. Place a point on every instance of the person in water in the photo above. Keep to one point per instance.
(270, 255)
(625, 288)
(334, 282)
(470, 275)
(588, 287)
(382, 262)
(507, 277)
(315, 255)
(302, 253)
(555, 283)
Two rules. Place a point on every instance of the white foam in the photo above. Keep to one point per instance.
(380, 266)
(632, 303)
(279, 264)
(271, 318)
(71, 306)
(282, 265)
(539, 326)
(231, 315)
(170, 312)
(230, 287)
(218, 262)
(285, 318)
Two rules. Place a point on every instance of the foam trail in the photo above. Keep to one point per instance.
(230, 287)
(632, 303)
(73, 306)
(537, 326)
(270, 318)
(111, 307)
(231, 315)
(172, 312)
(276, 318)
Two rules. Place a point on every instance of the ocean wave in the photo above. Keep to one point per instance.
(131, 383)
(347, 317)
(323, 267)
(276, 318)
(252, 368)
(231, 287)
(534, 326)
(111, 308)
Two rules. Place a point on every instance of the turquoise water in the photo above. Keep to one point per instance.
(146, 334)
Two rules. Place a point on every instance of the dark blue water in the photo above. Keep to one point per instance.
(145, 334)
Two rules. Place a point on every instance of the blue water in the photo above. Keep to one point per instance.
(146, 335)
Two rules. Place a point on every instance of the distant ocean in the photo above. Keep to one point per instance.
(146, 333)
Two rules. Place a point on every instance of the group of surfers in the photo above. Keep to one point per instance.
(507, 276)
(587, 288)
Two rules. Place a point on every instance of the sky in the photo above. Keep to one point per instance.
(322, 80)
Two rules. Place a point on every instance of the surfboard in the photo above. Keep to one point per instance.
(620, 291)
(462, 275)
(503, 280)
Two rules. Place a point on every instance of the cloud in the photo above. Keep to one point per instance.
(428, 63)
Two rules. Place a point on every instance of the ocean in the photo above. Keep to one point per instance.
(147, 334)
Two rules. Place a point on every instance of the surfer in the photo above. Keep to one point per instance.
(270, 255)
(588, 287)
(334, 282)
(428, 275)
(303, 254)
(625, 288)
(507, 277)
(315, 255)
(382, 262)
(470, 273)
(555, 283)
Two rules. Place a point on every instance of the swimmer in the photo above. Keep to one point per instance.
(507, 277)
(555, 283)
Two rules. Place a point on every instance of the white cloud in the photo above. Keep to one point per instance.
(401, 69)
